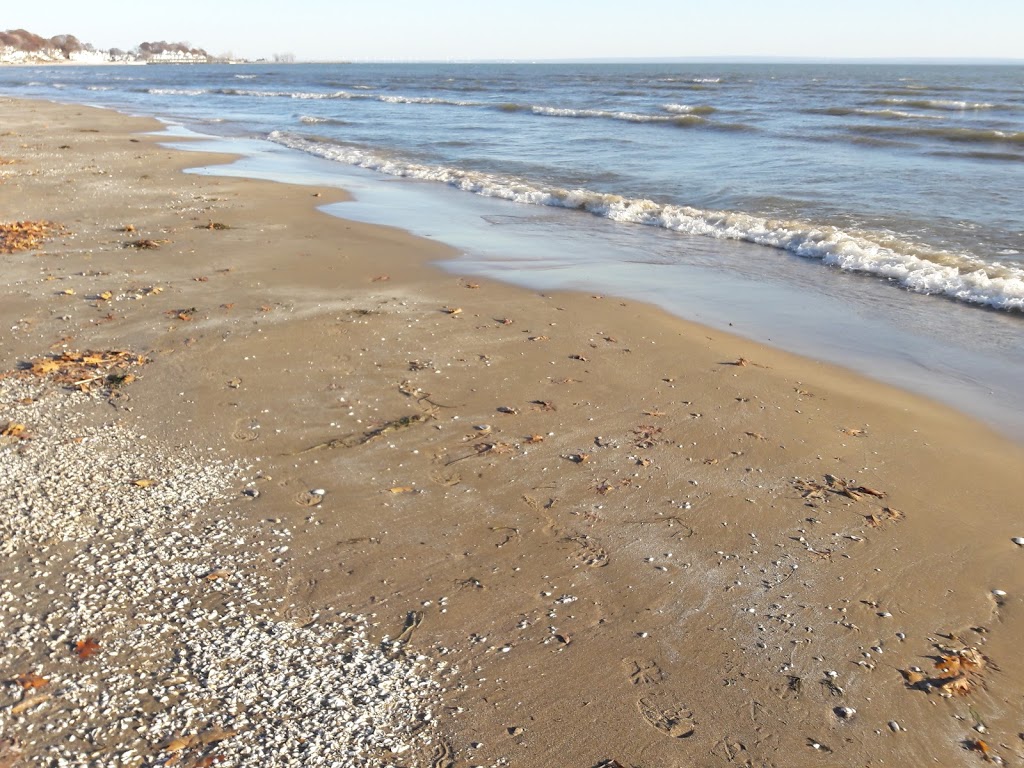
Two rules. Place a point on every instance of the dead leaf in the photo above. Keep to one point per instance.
(912, 677)
(452, 310)
(653, 413)
(26, 235)
(145, 244)
(68, 292)
(604, 489)
(741, 362)
(756, 435)
(543, 405)
(143, 483)
(381, 279)
(215, 736)
(853, 432)
(581, 358)
(15, 430)
(534, 439)
(86, 648)
(644, 462)
(220, 573)
(30, 681)
(957, 686)
(178, 743)
(538, 338)
(401, 489)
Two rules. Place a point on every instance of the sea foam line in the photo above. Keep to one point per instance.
(918, 269)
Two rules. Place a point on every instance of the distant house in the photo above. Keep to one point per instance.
(176, 57)
(89, 57)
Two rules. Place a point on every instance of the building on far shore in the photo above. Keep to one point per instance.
(177, 57)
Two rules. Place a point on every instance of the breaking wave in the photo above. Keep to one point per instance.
(914, 267)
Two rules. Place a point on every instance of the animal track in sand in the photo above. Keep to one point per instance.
(660, 711)
(732, 752)
(644, 671)
(589, 551)
(246, 430)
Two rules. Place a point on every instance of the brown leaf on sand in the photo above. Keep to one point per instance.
(534, 439)
(401, 489)
(741, 362)
(452, 310)
(145, 244)
(654, 413)
(126, 228)
(543, 405)
(538, 338)
(178, 743)
(380, 279)
(30, 681)
(853, 432)
(604, 488)
(26, 235)
(220, 573)
(142, 483)
(977, 745)
(756, 435)
(86, 648)
(873, 520)
(19, 431)
(912, 677)
(957, 686)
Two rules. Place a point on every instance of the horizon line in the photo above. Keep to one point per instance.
(922, 60)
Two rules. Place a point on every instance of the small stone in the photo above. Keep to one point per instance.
(1018, 540)
(894, 726)
(998, 593)
(845, 713)
(515, 730)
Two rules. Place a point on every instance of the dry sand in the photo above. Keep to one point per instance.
(603, 536)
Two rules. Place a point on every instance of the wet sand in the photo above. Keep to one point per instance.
(630, 539)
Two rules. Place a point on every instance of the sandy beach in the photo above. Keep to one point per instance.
(277, 491)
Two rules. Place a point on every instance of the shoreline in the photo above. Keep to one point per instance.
(587, 506)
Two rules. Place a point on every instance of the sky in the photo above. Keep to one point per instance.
(525, 30)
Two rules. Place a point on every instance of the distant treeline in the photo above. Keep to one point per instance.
(23, 40)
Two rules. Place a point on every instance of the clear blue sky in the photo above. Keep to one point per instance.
(543, 29)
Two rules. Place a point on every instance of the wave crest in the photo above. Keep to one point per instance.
(918, 269)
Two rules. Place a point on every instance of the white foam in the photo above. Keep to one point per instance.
(947, 104)
(918, 269)
(176, 91)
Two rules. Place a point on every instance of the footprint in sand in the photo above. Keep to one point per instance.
(299, 600)
(443, 756)
(246, 430)
(644, 671)
(448, 479)
(307, 499)
(663, 713)
(589, 551)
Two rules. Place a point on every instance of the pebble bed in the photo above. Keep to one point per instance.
(194, 665)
